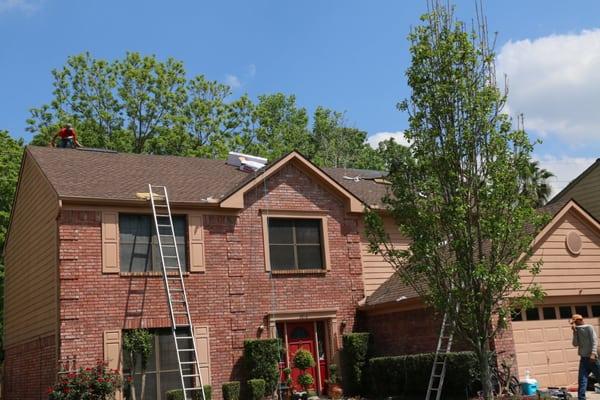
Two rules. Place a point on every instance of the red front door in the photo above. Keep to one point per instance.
(301, 335)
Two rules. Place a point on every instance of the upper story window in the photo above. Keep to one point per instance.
(296, 243)
(138, 244)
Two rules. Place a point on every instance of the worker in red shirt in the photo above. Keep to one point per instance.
(68, 137)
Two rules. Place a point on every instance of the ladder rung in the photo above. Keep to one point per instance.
(193, 389)
(185, 337)
(188, 376)
(169, 225)
(159, 205)
(176, 290)
(188, 350)
(179, 312)
(163, 215)
(188, 362)
(168, 245)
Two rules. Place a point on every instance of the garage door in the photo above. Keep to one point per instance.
(543, 346)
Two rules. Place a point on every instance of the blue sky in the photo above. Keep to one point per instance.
(349, 55)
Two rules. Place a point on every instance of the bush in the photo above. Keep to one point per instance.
(333, 374)
(305, 380)
(395, 376)
(261, 359)
(231, 390)
(97, 382)
(355, 355)
(303, 359)
(256, 389)
(177, 394)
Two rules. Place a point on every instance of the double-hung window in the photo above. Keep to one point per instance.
(296, 243)
(138, 243)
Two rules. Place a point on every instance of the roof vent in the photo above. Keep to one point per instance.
(246, 162)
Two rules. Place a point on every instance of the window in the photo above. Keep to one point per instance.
(595, 310)
(295, 244)
(549, 312)
(162, 371)
(533, 314)
(516, 315)
(565, 312)
(138, 244)
(581, 310)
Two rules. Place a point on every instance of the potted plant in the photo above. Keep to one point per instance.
(304, 360)
(334, 389)
(286, 384)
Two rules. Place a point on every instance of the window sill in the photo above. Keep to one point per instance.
(298, 272)
(153, 273)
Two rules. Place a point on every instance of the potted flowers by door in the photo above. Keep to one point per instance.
(286, 384)
(333, 383)
(304, 360)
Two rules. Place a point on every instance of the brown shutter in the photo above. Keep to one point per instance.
(112, 353)
(110, 242)
(203, 348)
(196, 238)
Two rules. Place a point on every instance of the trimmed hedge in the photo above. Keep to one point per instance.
(395, 376)
(231, 390)
(177, 394)
(261, 359)
(355, 355)
(256, 389)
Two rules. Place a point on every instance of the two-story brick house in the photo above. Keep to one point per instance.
(273, 253)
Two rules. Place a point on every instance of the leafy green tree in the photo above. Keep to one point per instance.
(280, 127)
(456, 192)
(535, 183)
(339, 146)
(11, 151)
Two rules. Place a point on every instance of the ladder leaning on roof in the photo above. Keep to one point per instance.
(438, 370)
(183, 332)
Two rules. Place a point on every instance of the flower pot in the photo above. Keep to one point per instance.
(335, 391)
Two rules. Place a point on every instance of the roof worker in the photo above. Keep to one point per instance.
(586, 341)
(68, 137)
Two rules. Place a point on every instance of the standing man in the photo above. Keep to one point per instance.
(68, 137)
(586, 341)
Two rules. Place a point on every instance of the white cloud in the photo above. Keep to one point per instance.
(232, 81)
(554, 82)
(27, 6)
(375, 138)
(564, 168)
(251, 70)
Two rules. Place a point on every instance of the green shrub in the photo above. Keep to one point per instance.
(261, 359)
(305, 380)
(231, 390)
(303, 359)
(256, 389)
(177, 394)
(99, 382)
(395, 376)
(355, 355)
(333, 374)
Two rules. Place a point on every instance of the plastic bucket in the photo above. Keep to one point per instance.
(529, 388)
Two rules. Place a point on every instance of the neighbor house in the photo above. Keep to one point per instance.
(271, 253)
(537, 339)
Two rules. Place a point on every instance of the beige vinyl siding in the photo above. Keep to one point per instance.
(587, 192)
(30, 308)
(375, 269)
(564, 274)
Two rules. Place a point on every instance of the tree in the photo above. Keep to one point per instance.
(137, 344)
(535, 183)
(456, 193)
(11, 151)
(339, 146)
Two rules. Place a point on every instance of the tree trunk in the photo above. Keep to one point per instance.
(143, 388)
(485, 373)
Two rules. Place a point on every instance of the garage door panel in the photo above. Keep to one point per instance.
(535, 335)
(544, 347)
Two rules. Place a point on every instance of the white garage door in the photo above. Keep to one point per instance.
(543, 337)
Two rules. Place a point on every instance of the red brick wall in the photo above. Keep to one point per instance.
(235, 294)
(30, 368)
(417, 331)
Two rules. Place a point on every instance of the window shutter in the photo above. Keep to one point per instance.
(110, 242)
(203, 348)
(112, 353)
(196, 238)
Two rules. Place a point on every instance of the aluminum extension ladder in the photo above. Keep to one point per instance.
(438, 370)
(183, 333)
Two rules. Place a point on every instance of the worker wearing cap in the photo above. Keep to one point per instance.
(68, 137)
(586, 341)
